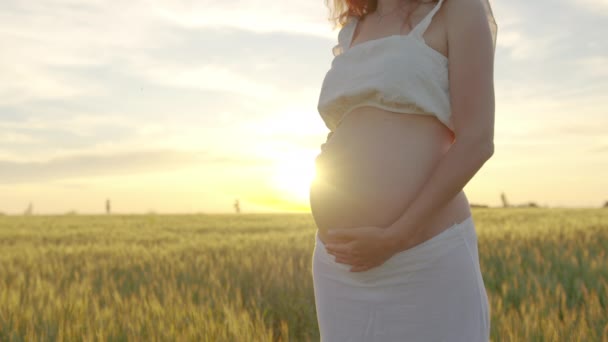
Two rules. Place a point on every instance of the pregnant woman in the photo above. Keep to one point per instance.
(409, 101)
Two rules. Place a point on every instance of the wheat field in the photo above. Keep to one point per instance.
(247, 277)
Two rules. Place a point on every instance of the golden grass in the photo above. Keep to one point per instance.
(248, 277)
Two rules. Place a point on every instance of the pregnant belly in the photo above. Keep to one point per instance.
(373, 166)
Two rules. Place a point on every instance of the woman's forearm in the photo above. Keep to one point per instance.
(455, 169)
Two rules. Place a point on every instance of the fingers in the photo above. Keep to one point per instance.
(343, 260)
(340, 255)
(338, 251)
(344, 253)
(340, 234)
(354, 264)
(357, 266)
(340, 248)
(349, 260)
(337, 239)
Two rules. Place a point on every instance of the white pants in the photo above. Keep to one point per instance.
(431, 292)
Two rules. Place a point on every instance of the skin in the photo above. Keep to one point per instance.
(467, 43)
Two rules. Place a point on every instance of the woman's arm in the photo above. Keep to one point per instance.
(471, 73)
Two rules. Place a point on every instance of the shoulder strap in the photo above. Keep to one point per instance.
(424, 23)
(345, 36)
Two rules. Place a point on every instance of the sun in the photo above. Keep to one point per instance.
(294, 174)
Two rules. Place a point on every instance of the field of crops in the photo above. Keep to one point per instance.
(248, 277)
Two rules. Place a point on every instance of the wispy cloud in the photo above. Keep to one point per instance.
(252, 15)
(603, 148)
(593, 66)
(594, 6)
(101, 87)
(94, 165)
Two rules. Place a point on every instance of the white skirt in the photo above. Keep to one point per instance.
(431, 292)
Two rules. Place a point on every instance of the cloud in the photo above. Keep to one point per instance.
(521, 46)
(592, 66)
(267, 66)
(603, 148)
(44, 39)
(67, 58)
(17, 138)
(109, 76)
(38, 38)
(38, 136)
(598, 7)
(251, 15)
(544, 71)
(586, 129)
(91, 165)
(210, 77)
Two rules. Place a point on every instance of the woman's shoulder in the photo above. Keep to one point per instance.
(463, 14)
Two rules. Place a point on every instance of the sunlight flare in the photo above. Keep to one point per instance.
(294, 174)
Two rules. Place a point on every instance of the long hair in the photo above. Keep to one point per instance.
(340, 10)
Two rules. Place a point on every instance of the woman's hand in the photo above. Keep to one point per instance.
(361, 247)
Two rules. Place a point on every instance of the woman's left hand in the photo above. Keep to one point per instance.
(361, 247)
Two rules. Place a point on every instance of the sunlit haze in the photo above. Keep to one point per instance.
(185, 106)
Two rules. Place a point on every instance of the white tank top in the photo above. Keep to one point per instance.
(399, 73)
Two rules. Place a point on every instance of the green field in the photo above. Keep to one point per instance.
(248, 277)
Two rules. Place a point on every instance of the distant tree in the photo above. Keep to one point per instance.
(606, 204)
(503, 198)
(29, 210)
(532, 205)
(237, 206)
(72, 212)
(108, 206)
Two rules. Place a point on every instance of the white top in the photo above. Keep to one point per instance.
(399, 73)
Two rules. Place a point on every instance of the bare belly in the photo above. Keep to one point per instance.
(373, 166)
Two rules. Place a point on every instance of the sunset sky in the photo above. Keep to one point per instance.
(184, 106)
